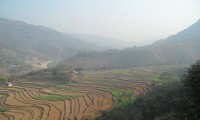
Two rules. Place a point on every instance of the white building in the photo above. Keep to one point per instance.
(8, 84)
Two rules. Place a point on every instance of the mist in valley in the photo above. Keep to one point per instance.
(99, 60)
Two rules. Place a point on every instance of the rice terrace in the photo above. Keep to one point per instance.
(86, 96)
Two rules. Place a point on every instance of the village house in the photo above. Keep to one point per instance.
(7, 84)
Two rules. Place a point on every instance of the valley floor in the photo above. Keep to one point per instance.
(86, 98)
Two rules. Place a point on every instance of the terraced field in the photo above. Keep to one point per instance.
(85, 99)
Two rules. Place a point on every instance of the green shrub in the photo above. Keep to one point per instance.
(3, 109)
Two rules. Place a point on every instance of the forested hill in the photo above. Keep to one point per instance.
(186, 35)
(181, 48)
(19, 40)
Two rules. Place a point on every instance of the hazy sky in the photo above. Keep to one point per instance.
(136, 20)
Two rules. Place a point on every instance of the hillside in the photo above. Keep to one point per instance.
(20, 41)
(181, 48)
(187, 35)
(25, 46)
(17, 34)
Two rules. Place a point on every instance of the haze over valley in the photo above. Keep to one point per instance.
(99, 60)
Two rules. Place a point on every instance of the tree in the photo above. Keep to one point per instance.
(55, 72)
(58, 74)
(191, 81)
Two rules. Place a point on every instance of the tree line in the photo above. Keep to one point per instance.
(175, 100)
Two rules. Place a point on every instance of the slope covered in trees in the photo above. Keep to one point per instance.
(181, 48)
(19, 41)
(23, 45)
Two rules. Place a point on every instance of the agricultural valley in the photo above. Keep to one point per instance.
(85, 96)
(48, 75)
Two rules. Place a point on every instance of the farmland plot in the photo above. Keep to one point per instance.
(32, 99)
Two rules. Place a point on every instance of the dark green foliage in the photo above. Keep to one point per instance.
(2, 109)
(7, 78)
(3, 79)
(58, 74)
(158, 102)
(192, 82)
(171, 101)
(55, 72)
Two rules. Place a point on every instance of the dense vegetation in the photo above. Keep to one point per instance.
(192, 85)
(158, 102)
(174, 100)
(57, 74)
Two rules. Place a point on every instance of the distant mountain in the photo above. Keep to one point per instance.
(181, 48)
(108, 43)
(20, 41)
(192, 33)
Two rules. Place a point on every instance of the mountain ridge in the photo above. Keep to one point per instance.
(181, 48)
(184, 35)
(18, 36)
(24, 46)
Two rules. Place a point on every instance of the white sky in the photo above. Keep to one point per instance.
(130, 20)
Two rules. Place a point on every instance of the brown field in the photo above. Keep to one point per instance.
(85, 99)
